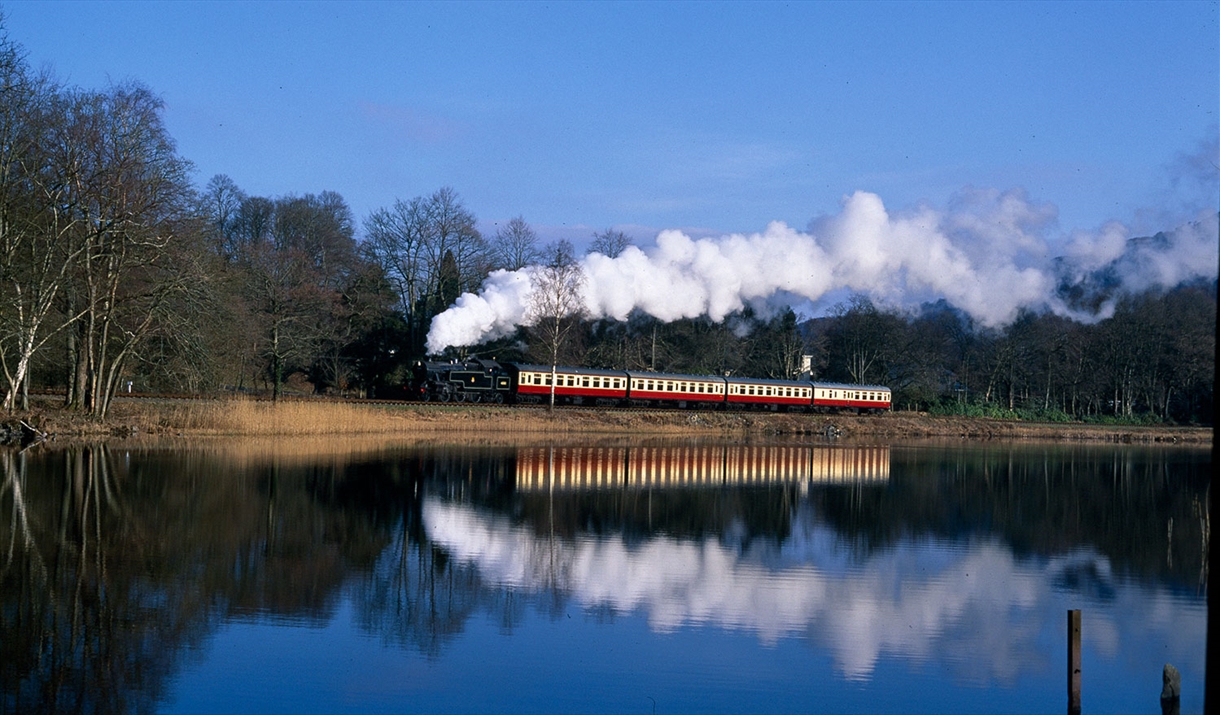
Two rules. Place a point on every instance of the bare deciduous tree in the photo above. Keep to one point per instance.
(610, 242)
(423, 246)
(34, 255)
(132, 200)
(220, 203)
(515, 245)
(556, 304)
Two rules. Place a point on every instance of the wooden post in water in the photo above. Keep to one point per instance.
(1074, 661)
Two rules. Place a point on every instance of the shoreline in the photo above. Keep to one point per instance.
(241, 418)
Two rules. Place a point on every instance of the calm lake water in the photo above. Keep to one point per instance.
(610, 577)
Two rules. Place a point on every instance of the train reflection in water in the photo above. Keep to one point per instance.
(697, 466)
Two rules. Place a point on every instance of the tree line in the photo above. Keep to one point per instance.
(117, 273)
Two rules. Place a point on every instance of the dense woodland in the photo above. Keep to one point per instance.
(117, 273)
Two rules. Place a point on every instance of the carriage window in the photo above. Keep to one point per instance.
(584, 382)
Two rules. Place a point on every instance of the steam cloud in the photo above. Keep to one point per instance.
(987, 254)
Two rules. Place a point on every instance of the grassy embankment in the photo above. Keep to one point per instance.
(317, 418)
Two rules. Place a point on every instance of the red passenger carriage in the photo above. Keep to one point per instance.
(658, 388)
(754, 393)
(573, 385)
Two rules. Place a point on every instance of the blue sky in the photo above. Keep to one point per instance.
(708, 117)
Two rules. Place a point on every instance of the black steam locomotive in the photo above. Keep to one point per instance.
(474, 380)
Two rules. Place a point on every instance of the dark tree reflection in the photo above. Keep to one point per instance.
(1143, 508)
(116, 564)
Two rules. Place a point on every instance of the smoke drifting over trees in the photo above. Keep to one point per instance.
(987, 255)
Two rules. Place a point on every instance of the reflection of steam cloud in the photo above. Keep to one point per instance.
(976, 606)
(701, 466)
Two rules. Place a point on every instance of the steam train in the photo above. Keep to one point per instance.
(478, 380)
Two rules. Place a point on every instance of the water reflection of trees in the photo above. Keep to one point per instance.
(116, 564)
(79, 587)
(1145, 509)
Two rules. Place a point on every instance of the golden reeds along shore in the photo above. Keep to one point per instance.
(242, 417)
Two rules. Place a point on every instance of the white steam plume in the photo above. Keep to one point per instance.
(988, 255)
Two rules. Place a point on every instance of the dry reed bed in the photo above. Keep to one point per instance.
(303, 418)
(297, 418)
